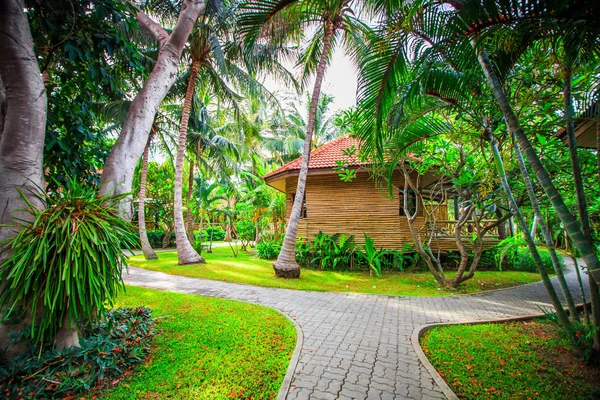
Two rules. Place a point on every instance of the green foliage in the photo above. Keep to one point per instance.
(246, 230)
(580, 334)
(508, 247)
(87, 53)
(509, 360)
(371, 255)
(109, 347)
(216, 233)
(326, 252)
(248, 269)
(209, 349)
(268, 249)
(155, 237)
(66, 262)
(512, 255)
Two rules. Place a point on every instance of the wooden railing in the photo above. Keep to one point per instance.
(445, 229)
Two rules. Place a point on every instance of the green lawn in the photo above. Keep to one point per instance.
(208, 349)
(246, 268)
(507, 361)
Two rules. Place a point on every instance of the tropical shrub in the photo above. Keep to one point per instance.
(66, 261)
(246, 232)
(268, 249)
(217, 232)
(155, 237)
(334, 252)
(522, 260)
(512, 255)
(107, 349)
(372, 257)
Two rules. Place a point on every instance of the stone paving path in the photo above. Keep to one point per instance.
(358, 346)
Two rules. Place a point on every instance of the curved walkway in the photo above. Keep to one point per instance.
(358, 346)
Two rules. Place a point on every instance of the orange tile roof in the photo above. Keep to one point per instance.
(324, 157)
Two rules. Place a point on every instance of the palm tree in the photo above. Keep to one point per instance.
(286, 140)
(279, 20)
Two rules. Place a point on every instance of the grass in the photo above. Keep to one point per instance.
(208, 349)
(523, 360)
(246, 268)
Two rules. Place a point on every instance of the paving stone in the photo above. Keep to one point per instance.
(357, 345)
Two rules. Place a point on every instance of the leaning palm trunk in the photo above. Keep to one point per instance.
(22, 129)
(583, 245)
(149, 253)
(579, 190)
(185, 252)
(562, 315)
(127, 151)
(189, 218)
(286, 266)
(547, 238)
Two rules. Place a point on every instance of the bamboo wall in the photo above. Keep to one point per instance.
(351, 208)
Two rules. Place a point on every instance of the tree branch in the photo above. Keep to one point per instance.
(187, 18)
(153, 27)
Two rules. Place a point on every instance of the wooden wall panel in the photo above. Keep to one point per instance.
(334, 206)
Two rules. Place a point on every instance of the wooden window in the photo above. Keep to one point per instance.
(303, 211)
(412, 202)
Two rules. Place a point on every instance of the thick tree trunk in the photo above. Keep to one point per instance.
(286, 266)
(562, 315)
(149, 254)
(23, 122)
(120, 164)
(185, 252)
(583, 245)
(189, 217)
(547, 238)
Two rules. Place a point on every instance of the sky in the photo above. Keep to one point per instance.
(340, 82)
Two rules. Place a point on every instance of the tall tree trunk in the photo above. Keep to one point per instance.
(562, 315)
(149, 254)
(570, 224)
(23, 113)
(547, 238)
(125, 154)
(185, 252)
(580, 192)
(286, 266)
(189, 218)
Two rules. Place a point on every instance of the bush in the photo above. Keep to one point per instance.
(155, 237)
(66, 262)
(218, 233)
(108, 349)
(268, 249)
(334, 252)
(522, 260)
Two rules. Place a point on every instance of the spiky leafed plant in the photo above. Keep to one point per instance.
(66, 262)
(328, 22)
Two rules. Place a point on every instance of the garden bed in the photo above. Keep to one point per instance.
(246, 268)
(524, 360)
(208, 349)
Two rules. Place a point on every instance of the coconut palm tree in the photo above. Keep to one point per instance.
(328, 22)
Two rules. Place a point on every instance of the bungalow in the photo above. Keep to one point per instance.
(335, 206)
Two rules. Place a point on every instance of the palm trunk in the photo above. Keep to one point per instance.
(547, 238)
(149, 254)
(189, 217)
(580, 192)
(125, 154)
(185, 252)
(23, 113)
(286, 266)
(571, 225)
(562, 315)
